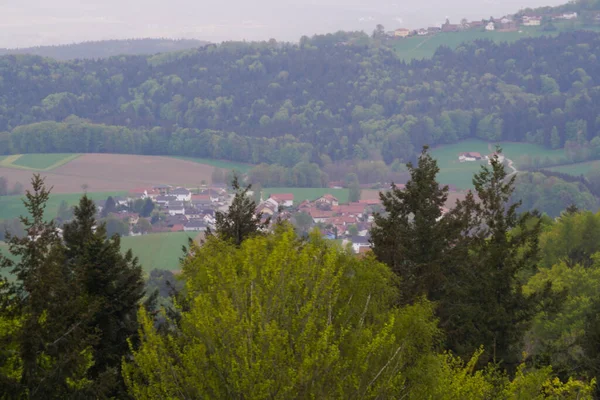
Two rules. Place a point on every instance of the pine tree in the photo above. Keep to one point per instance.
(411, 236)
(52, 338)
(241, 220)
(109, 206)
(490, 308)
(147, 208)
(114, 286)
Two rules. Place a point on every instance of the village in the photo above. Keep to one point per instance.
(508, 23)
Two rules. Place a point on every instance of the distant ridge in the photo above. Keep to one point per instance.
(108, 48)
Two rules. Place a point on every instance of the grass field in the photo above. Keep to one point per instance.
(453, 172)
(418, 47)
(38, 162)
(220, 163)
(301, 194)
(12, 206)
(577, 169)
(157, 250)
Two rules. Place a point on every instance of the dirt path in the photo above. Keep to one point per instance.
(511, 166)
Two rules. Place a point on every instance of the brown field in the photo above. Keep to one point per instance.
(452, 196)
(116, 172)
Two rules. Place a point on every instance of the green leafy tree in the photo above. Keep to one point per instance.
(147, 208)
(354, 192)
(241, 220)
(109, 207)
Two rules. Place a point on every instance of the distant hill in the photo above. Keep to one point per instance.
(108, 48)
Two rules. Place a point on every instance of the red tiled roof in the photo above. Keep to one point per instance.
(177, 228)
(200, 197)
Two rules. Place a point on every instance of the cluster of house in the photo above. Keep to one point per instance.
(351, 221)
(507, 23)
(179, 208)
(475, 156)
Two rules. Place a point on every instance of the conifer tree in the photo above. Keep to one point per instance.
(411, 236)
(241, 220)
(51, 340)
(114, 287)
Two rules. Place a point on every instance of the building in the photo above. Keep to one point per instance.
(532, 21)
(434, 29)
(165, 200)
(176, 208)
(360, 242)
(182, 194)
(568, 16)
(422, 32)
(402, 32)
(195, 226)
(320, 216)
(469, 156)
(283, 199)
(490, 26)
(448, 27)
(328, 199)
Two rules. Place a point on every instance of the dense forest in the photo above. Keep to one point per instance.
(322, 100)
(107, 48)
(482, 302)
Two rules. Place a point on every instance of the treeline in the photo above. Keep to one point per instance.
(108, 48)
(5, 190)
(284, 103)
(444, 306)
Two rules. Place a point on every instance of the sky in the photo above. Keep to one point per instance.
(25, 23)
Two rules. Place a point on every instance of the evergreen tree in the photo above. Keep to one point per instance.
(109, 206)
(489, 308)
(354, 192)
(411, 236)
(51, 338)
(113, 284)
(147, 208)
(241, 220)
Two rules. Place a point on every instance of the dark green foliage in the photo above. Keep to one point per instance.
(411, 237)
(109, 207)
(113, 283)
(54, 338)
(116, 226)
(147, 208)
(590, 342)
(241, 220)
(287, 104)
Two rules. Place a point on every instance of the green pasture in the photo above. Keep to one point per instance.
(39, 162)
(158, 250)
(229, 165)
(12, 206)
(577, 169)
(301, 194)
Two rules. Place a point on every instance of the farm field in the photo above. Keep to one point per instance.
(12, 206)
(41, 162)
(157, 250)
(577, 169)
(453, 172)
(115, 172)
(301, 194)
(228, 165)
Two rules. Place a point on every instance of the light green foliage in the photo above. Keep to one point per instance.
(283, 319)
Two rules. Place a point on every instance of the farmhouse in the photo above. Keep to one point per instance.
(283, 199)
(165, 200)
(469, 156)
(402, 32)
(360, 242)
(182, 194)
(328, 199)
(532, 21)
(448, 27)
(490, 26)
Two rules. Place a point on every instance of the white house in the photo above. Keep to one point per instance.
(182, 194)
(165, 200)
(283, 199)
(572, 15)
(360, 242)
(176, 208)
(532, 21)
(490, 26)
(328, 199)
(469, 156)
(195, 226)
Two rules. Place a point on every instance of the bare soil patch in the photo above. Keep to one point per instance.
(116, 172)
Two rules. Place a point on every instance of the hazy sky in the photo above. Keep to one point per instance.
(40, 22)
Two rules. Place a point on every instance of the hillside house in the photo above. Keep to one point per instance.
(401, 33)
(360, 242)
(532, 21)
(193, 213)
(121, 201)
(209, 219)
(176, 208)
(320, 216)
(469, 156)
(448, 27)
(267, 208)
(568, 16)
(182, 194)
(176, 220)
(422, 32)
(195, 226)
(162, 189)
(490, 27)
(433, 30)
(283, 199)
(328, 199)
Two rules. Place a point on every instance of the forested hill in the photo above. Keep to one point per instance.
(108, 48)
(284, 103)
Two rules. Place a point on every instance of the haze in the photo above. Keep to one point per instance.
(25, 23)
